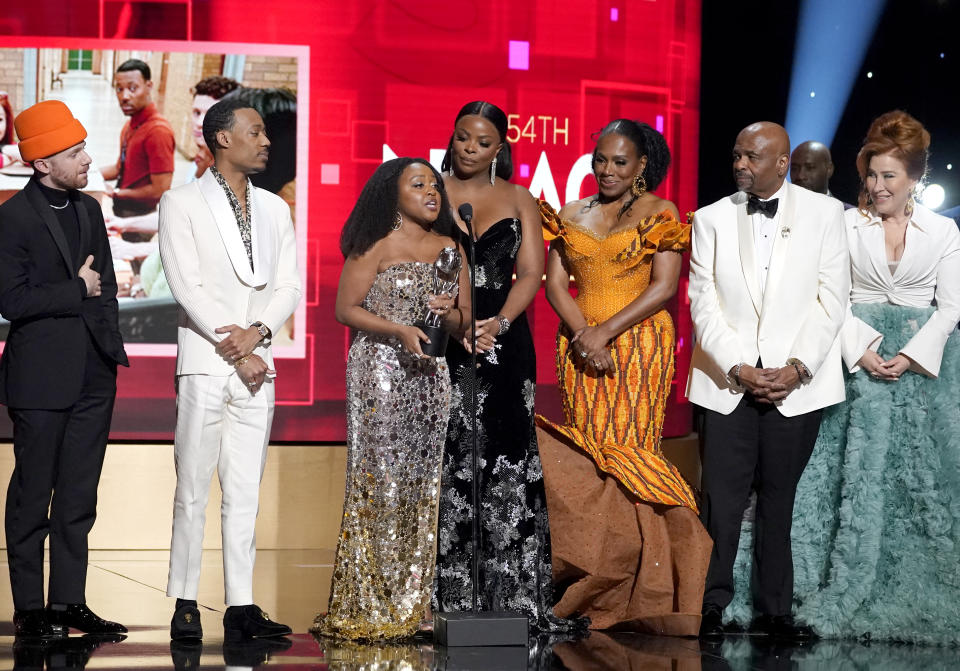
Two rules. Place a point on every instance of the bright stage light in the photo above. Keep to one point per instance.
(933, 196)
(832, 40)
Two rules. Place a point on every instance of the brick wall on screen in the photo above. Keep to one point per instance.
(270, 72)
(212, 65)
(11, 77)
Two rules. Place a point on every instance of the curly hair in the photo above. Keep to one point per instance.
(498, 118)
(372, 216)
(649, 142)
(900, 135)
(216, 87)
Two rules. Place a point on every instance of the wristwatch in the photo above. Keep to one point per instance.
(504, 324)
(264, 331)
(802, 371)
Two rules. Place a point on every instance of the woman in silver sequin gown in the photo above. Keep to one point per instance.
(398, 402)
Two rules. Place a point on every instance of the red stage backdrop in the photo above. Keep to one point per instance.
(387, 78)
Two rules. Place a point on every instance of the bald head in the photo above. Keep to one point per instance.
(761, 157)
(811, 166)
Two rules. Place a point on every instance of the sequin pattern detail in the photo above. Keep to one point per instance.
(397, 410)
(514, 549)
(243, 222)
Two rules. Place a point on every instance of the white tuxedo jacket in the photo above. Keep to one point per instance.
(797, 315)
(928, 274)
(210, 276)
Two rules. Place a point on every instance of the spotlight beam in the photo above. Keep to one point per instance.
(832, 40)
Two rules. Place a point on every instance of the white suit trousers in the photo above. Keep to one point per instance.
(222, 426)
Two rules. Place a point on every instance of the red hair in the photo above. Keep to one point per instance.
(900, 135)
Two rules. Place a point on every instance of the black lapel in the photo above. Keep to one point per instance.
(40, 204)
(84, 228)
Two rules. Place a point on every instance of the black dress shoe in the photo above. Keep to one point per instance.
(185, 624)
(240, 622)
(711, 624)
(254, 651)
(33, 623)
(782, 628)
(78, 616)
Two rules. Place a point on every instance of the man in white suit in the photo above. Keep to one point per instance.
(228, 250)
(769, 283)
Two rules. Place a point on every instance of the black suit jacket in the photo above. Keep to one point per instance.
(45, 301)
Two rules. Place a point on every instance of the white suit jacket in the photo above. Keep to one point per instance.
(928, 273)
(797, 315)
(210, 276)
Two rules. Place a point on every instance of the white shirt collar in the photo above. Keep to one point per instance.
(916, 220)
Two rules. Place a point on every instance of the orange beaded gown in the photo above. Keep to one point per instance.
(628, 548)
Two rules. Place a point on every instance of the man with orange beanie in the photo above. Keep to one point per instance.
(58, 372)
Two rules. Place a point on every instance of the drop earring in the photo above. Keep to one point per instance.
(493, 171)
(397, 221)
(639, 186)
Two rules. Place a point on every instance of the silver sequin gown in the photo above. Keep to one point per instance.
(397, 410)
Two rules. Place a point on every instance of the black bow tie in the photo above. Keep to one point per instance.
(767, 207)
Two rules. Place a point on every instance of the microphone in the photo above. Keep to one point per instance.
(466, 214)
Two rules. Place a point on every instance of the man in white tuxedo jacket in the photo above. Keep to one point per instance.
(229, 254)
(769, 283)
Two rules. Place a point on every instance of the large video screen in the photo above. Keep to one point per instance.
(386, 81)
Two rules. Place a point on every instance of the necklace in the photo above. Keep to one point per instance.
(59, 207)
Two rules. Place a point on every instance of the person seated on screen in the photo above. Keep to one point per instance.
(9, 154)
(144, 169)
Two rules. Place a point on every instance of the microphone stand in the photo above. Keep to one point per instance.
(476, 629)
(475, 452)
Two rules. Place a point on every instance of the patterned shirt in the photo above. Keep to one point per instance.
(243, 222)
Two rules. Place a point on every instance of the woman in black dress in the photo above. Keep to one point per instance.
(514, 547)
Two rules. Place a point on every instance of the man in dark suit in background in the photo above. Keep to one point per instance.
(811, 167)
(58, 373)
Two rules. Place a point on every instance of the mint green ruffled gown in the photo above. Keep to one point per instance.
(876, 525)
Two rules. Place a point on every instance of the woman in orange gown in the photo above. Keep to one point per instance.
(629, 550)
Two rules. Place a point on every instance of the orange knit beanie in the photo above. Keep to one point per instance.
(47, 128)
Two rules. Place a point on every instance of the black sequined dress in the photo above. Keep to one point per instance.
(515, 566)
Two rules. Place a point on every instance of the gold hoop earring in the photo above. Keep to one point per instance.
(639, 186)
(397, 221)
(493, 171)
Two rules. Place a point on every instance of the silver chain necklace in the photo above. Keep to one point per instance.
(59, 207)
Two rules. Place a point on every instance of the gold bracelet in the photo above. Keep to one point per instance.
(242, 360)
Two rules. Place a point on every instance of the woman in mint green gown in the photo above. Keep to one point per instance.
(876, 525)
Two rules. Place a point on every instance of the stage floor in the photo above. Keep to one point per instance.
(293, 585)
